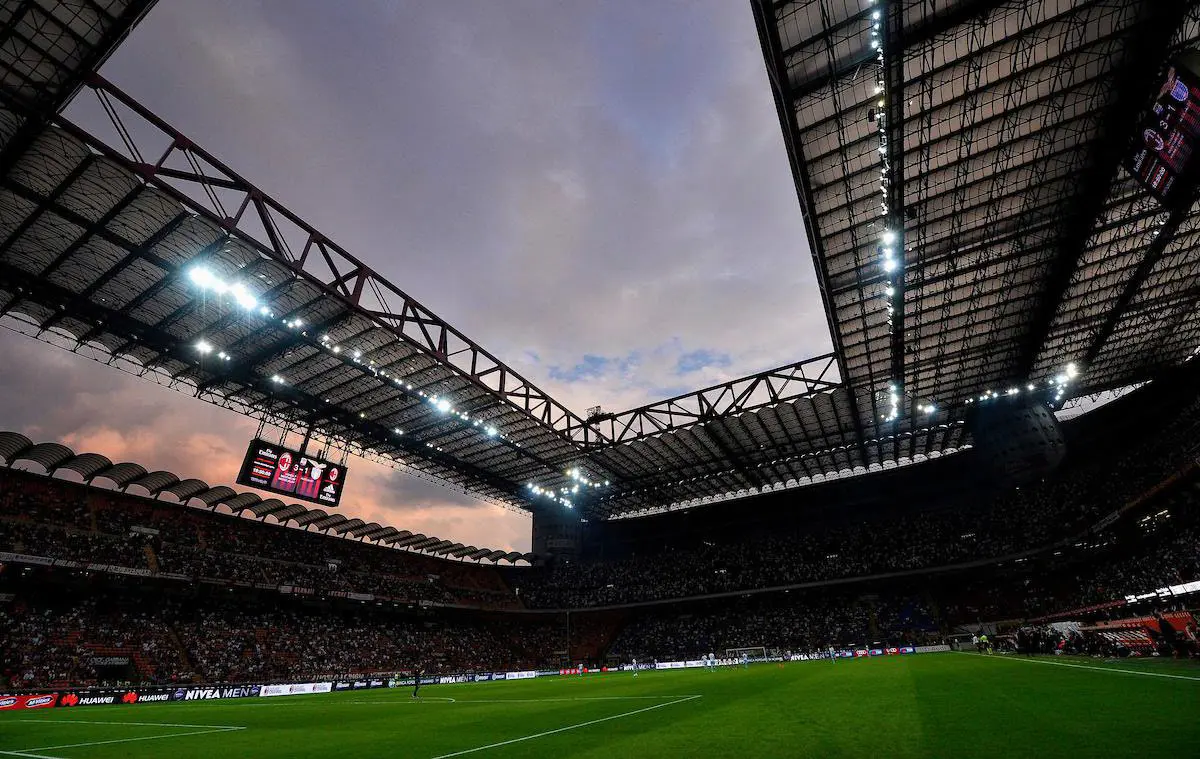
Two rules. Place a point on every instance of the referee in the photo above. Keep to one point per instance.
(416, 681)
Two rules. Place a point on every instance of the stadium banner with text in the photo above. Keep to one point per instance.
(284, 471)
(295, 689)
(363, 684)
(215, 692)
(30, 701)
(519, 675)
(110, 696)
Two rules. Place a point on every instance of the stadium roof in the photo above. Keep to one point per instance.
(958, 165)
(1023, 249)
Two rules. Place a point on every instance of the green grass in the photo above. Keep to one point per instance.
(951, 705)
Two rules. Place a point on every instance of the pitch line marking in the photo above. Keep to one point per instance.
(1092, 667)
(139, 724)
(565, 729)
(27, 752)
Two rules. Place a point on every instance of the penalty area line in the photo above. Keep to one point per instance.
(1165, 675)
(565, 729)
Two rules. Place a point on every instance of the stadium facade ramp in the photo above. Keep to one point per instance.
(1020, 257)
(19, 453)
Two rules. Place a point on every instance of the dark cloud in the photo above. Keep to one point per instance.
(596, 192)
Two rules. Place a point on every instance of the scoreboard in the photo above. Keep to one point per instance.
(1164, 155)
(284, 471)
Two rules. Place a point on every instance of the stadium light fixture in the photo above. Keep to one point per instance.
(203, 347)
(243, 296)
(202, 277)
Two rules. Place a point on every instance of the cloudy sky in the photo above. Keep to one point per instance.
(596, 192)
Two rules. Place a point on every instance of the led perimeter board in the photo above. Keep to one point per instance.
(1164, 156)
(272, 467)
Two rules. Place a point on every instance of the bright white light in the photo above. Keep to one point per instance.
(1072, 370)
(889, 265)
(243, 296)
(263, 310)
(202, 277)
(276, 379)
(492, 432)
(889, 236)
(442, 405)
(1029, 387)
(875, 15)
(890, 291)
(204, 347)
(337, 349)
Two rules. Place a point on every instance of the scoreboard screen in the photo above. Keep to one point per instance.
(1164, 156)
(281, 470)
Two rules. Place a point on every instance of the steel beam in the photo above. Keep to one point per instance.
(786, 383)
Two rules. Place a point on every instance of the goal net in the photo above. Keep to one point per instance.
(754, 653)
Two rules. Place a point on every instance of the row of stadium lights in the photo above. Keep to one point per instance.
(1056, 384)
(240, 294)
(888, 238)
(564, 493)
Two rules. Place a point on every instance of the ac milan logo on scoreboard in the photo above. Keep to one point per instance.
(281, 470)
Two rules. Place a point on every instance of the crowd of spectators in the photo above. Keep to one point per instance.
(58, 643)
(1016, 521)
(64, 521)
(777, 623)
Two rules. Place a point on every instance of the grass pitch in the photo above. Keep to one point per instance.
(950, 705)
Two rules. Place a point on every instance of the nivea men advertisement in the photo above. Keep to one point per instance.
(272, 467)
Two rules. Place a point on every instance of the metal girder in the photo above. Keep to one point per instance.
(1134, 89)
(786, 383)
(1154, 252)
(277, 233)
